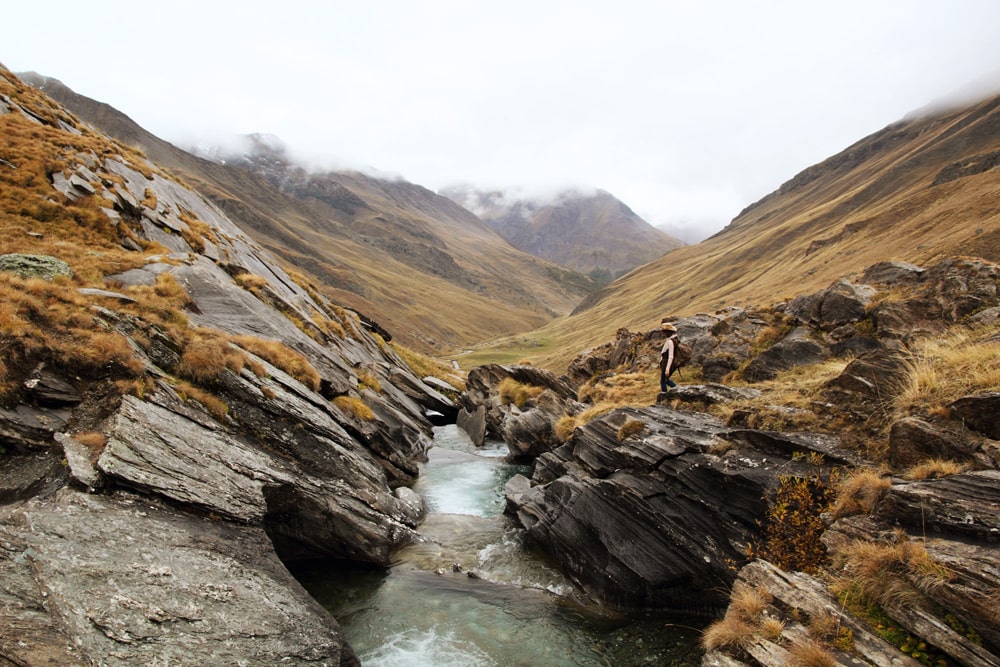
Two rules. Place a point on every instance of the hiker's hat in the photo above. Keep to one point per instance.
(667, 326)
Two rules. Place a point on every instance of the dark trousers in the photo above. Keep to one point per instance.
(665, 374)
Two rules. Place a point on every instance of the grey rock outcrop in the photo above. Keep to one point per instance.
(145, 510)
(126, 580)
(640, 510)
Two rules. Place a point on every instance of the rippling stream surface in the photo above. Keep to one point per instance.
(473, 594)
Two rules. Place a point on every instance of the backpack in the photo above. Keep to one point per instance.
(682, 353)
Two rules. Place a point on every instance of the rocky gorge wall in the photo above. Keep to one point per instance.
(148, 525)
(660, 506)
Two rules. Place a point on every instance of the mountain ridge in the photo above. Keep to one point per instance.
(379, 259)
(592, 232)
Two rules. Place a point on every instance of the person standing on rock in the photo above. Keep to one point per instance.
(667, 356)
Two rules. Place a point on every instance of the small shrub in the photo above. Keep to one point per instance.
(793, 525)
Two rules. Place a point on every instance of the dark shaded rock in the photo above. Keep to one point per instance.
(35, 266)
(788, 445)
(48, 389)
(839, 304)
(869, 382)
(965, 505)
(428, 398)
(893, 272)
(25, 475)
(855, 346)
(913, 440)
(27, 427)
(123, 580)
(648, 516)
(795, 349)
(981, 413)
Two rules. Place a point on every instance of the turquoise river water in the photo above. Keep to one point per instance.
(472, 594)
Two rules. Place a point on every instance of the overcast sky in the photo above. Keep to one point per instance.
(686, 111)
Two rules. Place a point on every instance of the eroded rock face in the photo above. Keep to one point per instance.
(198, 483)
(125, 580)
(647, 515)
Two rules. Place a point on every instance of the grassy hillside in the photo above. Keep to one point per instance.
(428, 271)
(918, 190)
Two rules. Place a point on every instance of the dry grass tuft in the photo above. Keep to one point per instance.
(935, 469)
(622, 389)
(811, 654)
(354, 406)
(251, 281)
(564, 428)
(95, 441)
(630, 427)
(280, 356)
(731, 633)
(513, 392)
(214, 405)
(859, 493)
(945, 368)
(207, 355)
(887, 574)
(748, 602)
(771, 628)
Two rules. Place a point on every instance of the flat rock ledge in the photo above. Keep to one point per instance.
(125, 580)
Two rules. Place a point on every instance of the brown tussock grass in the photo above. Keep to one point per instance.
(354, 406)
(944, 368)
(887, 574)
(860, 492)
(281, 356)
(513, 392)
(749, 602)
(934, 469)
(732, 633)
(214, 405)
(630, 427)
(810, 654)
(207, 355)
(95, 441)
(564, 428)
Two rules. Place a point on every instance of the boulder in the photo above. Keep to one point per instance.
(709, 394)
(913, 440)
(841, 303)
(965, 505)
(798, 348)
(869, 382)
(45, 267)
(125, 580)
(980, 412)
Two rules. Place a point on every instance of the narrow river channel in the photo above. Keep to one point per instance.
(473, 594)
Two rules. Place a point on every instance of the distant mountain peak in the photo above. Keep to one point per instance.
(585, 229)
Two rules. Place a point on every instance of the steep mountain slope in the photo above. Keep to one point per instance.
(593, 233)
(919, 190)
(428, 271)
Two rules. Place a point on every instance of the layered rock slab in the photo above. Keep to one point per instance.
(125, 580)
